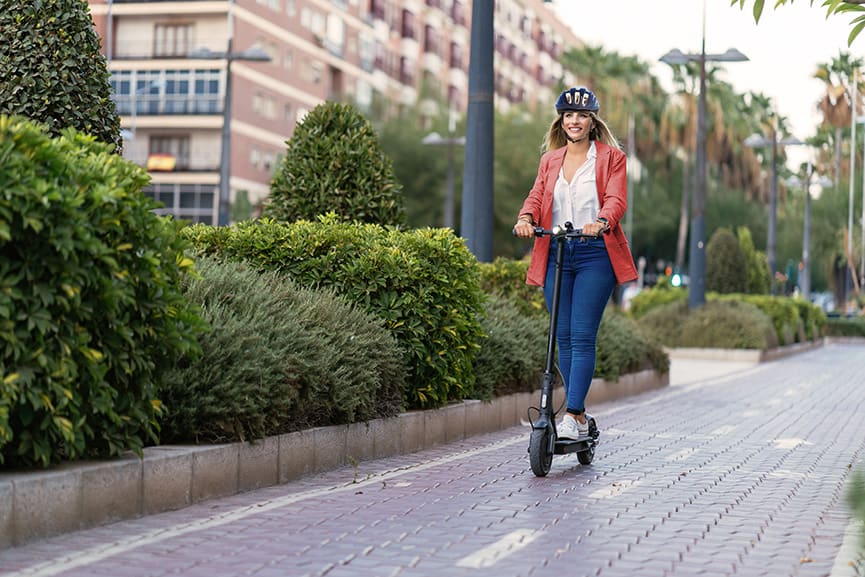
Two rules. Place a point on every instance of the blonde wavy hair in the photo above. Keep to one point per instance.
(556, 138)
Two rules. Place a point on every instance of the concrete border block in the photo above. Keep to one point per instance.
(258, 463)
(522, 403)
(46, 504)
(214, 472)
(455, 422)
(508, 411)
(7, 496)
(296, 455)
(411, 431)
(330, 444)
(111, 491)
(166, 478)
(434, 427)
(475, 417)
(386, 437)
(360, 442)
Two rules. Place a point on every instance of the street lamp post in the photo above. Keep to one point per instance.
(757, 141)
(805, 277)
(435, 139)
(254, 54)
(697, 258)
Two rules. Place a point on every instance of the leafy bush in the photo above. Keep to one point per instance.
(717, 324)
(334, 163)
(725, 264)
(512, 357)
(51, 69)
(781, 310)
(278, 358)
(91, 313)
(728, 325)
(812, 319)
(507, 277)
(659, 295)
(422, 283)
(756, 265)
(623, 348)
(839, 327)
(856, 498)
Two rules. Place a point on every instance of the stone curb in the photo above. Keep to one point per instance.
(74, 496)
(744, 355)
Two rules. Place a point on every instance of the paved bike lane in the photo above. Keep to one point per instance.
(742, 474)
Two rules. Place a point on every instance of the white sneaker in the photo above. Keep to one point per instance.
(570, 428)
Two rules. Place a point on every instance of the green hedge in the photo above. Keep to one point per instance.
(507, 277)
(623, 348)
(91, 311)
(278, 358)
(728, 324)
(422, 283)
(841, 327)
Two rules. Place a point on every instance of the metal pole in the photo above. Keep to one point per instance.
(848, 274)
(109, 29)
(477, 207)
(448, 220)
(773, 211)
(697, 260)
(805, 283)
(224, 215)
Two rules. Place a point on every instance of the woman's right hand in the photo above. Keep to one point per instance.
(524, 229)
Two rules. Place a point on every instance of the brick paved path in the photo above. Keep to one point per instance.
(737, 475)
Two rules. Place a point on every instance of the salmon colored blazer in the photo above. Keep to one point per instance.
(612, 185)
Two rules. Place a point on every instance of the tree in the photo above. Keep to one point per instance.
(52, 71)
(832, 7)
(334, 163)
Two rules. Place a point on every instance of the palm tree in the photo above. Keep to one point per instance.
(835, 104)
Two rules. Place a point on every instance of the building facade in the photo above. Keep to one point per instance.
(173, 62)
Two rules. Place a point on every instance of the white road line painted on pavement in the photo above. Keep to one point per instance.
(94, 554)
(725, 430)
(492, 554)
(789, 443)
(683, 454)
(850, 561)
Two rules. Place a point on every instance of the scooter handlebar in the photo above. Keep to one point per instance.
(560, 232)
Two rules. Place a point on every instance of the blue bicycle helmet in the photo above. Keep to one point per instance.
(577, 99)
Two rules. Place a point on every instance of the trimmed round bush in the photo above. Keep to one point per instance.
(726, 268)
(334, 163)
(91, 311)
(507, 277)
(657, 296)
(52, 70)
(662, 324)
(278, 358)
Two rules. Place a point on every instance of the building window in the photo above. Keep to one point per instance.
(194, 202)
(291, 8)
(407, 24)
(172, 40)
(176, 146)
(168, 91)
(456, 60)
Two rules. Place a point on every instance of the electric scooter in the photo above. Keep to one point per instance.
(544, 442)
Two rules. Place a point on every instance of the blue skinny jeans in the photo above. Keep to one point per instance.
(587, 284)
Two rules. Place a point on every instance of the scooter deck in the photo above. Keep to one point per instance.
(567, 446)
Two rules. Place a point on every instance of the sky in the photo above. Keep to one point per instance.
(784, 48)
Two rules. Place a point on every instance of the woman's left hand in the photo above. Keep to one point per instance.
(593, 228)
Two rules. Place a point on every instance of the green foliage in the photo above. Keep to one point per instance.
(756, 265)
(278, 358)
(507, 277)
(422, 283)
(856, 497)
(841, 327)
(726, 324)
(512, 357)
(91, 313)
(623, 348)
(725, 263)
(334, 163)
(781, 310)
(812, 319)
(51, 69)
(659, 295)
(662, 322)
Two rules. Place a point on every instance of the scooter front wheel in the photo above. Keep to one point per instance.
(540, 453)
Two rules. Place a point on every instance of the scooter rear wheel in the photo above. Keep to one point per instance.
(585, 457)
(540, 455)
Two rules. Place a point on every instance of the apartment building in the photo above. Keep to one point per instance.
(209, 91)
